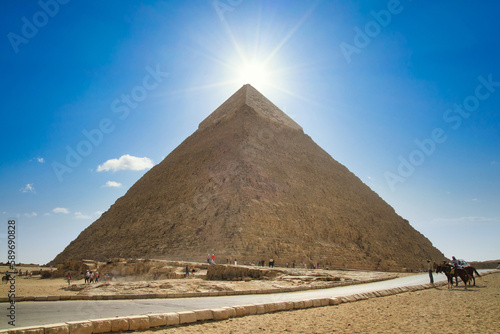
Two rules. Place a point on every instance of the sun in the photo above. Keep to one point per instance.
(254, 74)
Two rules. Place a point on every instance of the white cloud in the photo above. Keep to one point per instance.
(46, 214)
(98, 213)
(40, 160)
(79, 215)
(29, 188)
(113, 184)
(60, 210)
(29, 215)
(126, 162)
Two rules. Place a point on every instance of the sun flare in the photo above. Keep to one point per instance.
(254, 74)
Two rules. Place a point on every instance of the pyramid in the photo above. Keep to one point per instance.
(249, 184)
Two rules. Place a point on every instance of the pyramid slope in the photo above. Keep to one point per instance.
(250, 187)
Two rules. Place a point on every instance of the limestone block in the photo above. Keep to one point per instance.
(280, 306)
(80, 327)
(298, 304)
(56, 329)
(101, 326)
(139, 322)
(187, 317)
(270, 307)
(325, 301)
(52, 298)
(250, 309)
(308, 303)
(157, 320)
(41, 298)
(261, 309)
(240, 311)
(203, 315)
(24, 330)
(231, 312)
(220, 314)
(335, 301)
(172, 319)
(119, 324)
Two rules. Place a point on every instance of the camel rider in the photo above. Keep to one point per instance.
(455, 262)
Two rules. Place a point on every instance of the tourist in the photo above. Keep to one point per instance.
(87, 276)
(187, 271)
(235, 262)
(69, 279)
(213, 258)
(96, 276)
(429, 269)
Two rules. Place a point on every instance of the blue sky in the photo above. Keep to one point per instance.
(404, 94)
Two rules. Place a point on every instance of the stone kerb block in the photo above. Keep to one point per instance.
(308, 303)
(297, 305)
(316, 303)
(220, 314)
(261, 309)
(324, 301)
(335, 301)
(119, 324)
(172, 319)
(157, 320)
(203, 315)
(80, 327)
(56, 329)
(187, 317)
(250, 309)
(52, 298)
(101, 326)
(240, 311)
(137, 323)
(280, 306)
(24, 330)
(231, 312)
(270, 307)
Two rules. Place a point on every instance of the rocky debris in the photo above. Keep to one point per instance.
(239, 273)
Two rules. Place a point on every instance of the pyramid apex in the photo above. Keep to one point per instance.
(248, 95)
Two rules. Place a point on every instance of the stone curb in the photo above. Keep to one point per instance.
(144, 322)
(187, 294)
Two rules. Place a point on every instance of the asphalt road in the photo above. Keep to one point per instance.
(43, 313)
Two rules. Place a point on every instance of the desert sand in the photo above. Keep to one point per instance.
(439, 310)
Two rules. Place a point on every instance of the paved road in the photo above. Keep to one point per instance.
(42, 313)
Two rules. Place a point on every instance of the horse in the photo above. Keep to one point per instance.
(6, 278)
(447, 270)
(470, 271)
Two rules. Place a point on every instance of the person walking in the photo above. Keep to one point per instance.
(429, 269)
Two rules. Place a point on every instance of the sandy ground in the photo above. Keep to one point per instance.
(439, 310)
(35, 286)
